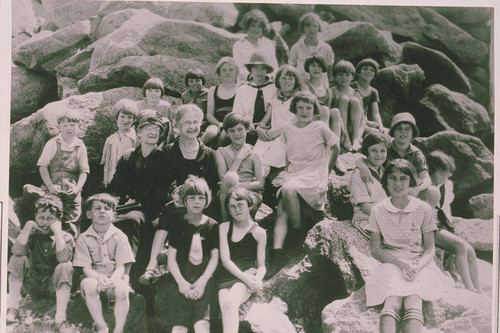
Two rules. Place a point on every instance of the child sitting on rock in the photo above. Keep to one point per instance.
(41, 260)
(365, 196)
(239, 165)
(402, 239)
(366, 70)
(253, 97)
(441, 167)
(348, 101)
(308, 147)
(64, 167)
(117, 144)
(243, 255)
(103, 251)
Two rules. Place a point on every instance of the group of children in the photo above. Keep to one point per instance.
(275, 142)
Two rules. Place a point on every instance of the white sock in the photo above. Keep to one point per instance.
(62, 299)
(15, 286)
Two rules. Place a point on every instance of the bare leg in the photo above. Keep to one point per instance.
(356, 115)
(93, 301)
(202, 326)
(344, 114)
(121, 306)
(179, 329)
(230, 301)
(210, 135)
(465, 257)
(291, 204)
(280, 227)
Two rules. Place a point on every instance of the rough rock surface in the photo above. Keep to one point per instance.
(269, 317)
(65, 13)
(24, 21)
(401, 86)
(47, 49)
(437, 66)
(29, 135)
(482, 206)
(477, 232)
(475, 20)
(458, 311)
(354, 41)
(29, 92)
(442, 109)
(421, 25)
(136, 44)
(474, 162)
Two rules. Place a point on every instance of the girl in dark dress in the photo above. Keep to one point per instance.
(242, 250)
(192, 259)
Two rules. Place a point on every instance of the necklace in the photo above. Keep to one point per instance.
(181, 145)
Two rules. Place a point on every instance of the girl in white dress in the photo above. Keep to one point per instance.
(402, 239)
(308, 148)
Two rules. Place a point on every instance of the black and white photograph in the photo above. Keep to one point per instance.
(253, 167)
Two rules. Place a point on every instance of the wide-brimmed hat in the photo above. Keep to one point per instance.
(258, 58)
(149, 117)
(404, 117)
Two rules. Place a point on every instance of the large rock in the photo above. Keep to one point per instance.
(400, 87)
(477, 232)
(474, 162)
(357, 40)
(437, 66)
(475, 20)
(482, 206)
(47, 49)
(24, 22)
(29, 92)
(343, 245)
(442, 109)
(269, 317)
(137, 44)
(216, 14)
(65, 13)
(458, 311)
(29, 135)
(418, 24)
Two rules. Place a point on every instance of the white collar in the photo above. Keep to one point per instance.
(110, 232)
(410, 207)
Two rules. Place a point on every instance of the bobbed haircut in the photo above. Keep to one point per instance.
(343, 66)
(437, 160)
(238, 194)
(287, 70)
(307, 97)
(367, 62)
(226, 60)
(125, 106)
(194, 73)
(255, 16)
(401, 165)
(233, 119)
(153, 83)
(50, 203)
(184, 110)
(370, 140)
(69, 116)
(315, 59)
(309, 19)
(194, 186)
(104, 198)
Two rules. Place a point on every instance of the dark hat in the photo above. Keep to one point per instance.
(149, 117)
(258, 58)
(404, 117)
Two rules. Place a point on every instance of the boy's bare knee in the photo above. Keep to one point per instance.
(17, 265)
(288, 190)
(335, 114)
(230, 179)
(89, 287)
(121, 291)
(64, 267)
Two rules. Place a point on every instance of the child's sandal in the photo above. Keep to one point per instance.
(145, 278)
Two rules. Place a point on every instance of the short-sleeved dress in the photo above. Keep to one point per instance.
(179, 310)
(243, 254)
(273, 152)
(308, 153)
(365, 193)
(402, 233)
